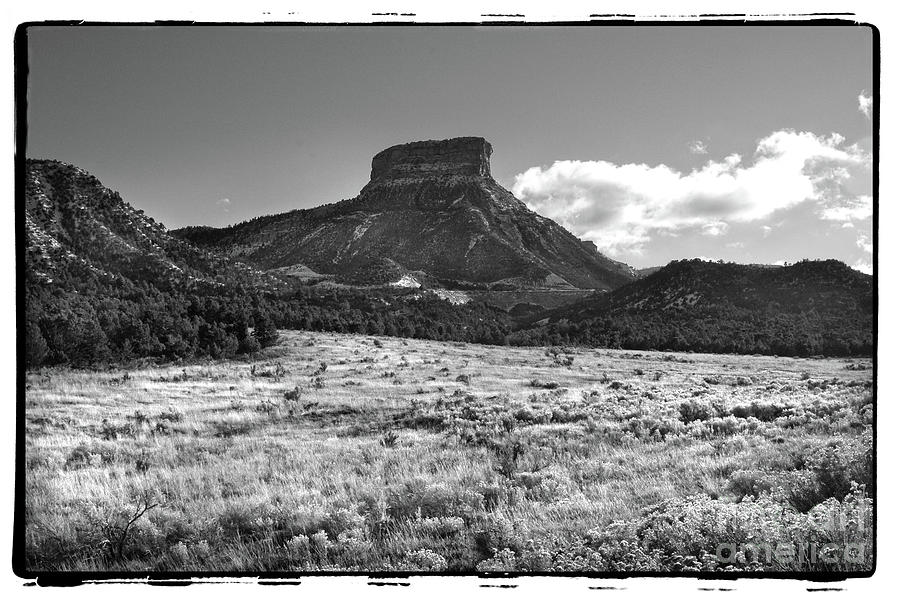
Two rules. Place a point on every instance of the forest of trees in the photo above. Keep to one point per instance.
(724, 329)
(91, 320)
(85, 319)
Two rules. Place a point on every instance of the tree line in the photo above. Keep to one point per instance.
(85, 319)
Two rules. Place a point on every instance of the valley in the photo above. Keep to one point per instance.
(344, 452)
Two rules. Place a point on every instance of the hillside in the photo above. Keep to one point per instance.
(431, 207)
(75, 227)
(104, 282)
(811, 307)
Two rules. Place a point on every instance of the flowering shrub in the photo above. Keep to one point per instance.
(422, 560)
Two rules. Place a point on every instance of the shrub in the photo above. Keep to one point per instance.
(548, 384)
(228, 429)
(693, 410)
(752, 483)
(439, 527)
(243, 520)
(417, 498)
(765, 412)
(723, 426)
(297, 549)
(389, 439)
(171, 416)
(507, 453)
(835, 469)
(82, 456)
(423, 559)
(320, 546)
(111, 431)
(653, 427)
(688, 534)
(503, 560)
(118, 528)
(266, 406)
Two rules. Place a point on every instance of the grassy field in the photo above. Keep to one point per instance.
(341, 452)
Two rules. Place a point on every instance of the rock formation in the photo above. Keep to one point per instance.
(431, 207)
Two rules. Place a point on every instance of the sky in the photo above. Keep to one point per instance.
(750, 144)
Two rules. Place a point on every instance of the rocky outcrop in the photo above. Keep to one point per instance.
(461, 156)
(432, 207)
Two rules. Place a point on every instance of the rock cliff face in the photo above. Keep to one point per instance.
(431, 207)
(463, 156)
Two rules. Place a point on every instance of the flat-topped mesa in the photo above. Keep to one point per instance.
(461, 156)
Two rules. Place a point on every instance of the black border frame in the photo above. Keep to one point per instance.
(179, 578)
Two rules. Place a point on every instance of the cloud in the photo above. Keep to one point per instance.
(857, 208)
(715, 229)
(223, 204)
(863, 266)
(698, 148)
(864, 243)
(865, 104)
(622, 206)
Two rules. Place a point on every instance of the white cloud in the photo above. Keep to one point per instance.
(865, 104)
(223, 204)
(864, 243)
(621, 206)
(698, 148)
(733, 160)
(863, 266)
(715, 229)
(856, 208)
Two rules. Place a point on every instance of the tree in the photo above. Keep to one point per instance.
(264, 331)
(35, 346)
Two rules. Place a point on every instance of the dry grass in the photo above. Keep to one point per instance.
(337, 452)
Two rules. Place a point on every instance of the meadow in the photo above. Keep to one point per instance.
(333, 452)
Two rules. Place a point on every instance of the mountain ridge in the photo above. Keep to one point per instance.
(104, 281)
(72, 221)
(430, 206)
(807, 308)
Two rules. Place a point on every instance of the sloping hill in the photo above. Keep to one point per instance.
(811, 307)
(104, 281)
(430, 206)
(76, 226)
